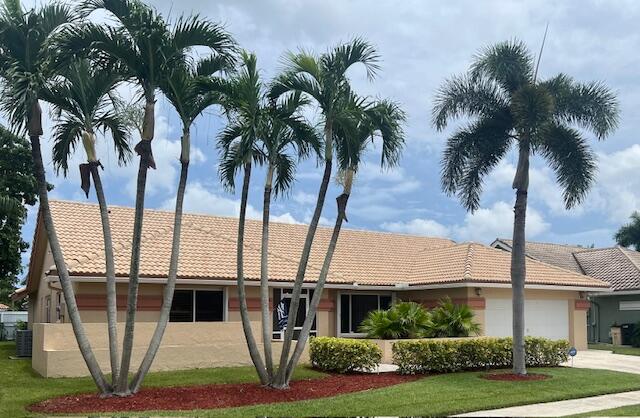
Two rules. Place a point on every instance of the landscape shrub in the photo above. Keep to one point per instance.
(452, 320)
(344, 355)
(438, 356)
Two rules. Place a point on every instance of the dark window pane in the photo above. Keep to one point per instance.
(209, 305)
(344, 313)
(182, 306)
(302, 313)
(276, 301)
(385, 302)
(361, 305)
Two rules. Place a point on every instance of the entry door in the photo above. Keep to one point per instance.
(543, 318)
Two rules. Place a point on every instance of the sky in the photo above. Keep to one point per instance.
(422, 43)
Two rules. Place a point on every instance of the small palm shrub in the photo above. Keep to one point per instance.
(451, 320)
(402, 320)
(344, 355)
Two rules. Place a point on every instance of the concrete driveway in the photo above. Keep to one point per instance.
(600, 359)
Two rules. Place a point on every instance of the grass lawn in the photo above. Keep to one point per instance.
(617, 349)
(434, 395)
(21, 386)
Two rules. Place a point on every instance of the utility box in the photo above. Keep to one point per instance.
(627, 331)
(616, 335)
(24, 342)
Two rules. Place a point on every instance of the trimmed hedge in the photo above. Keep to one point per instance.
(438, 356)
(344, 355)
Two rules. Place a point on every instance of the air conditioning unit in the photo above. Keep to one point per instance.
(24, 341)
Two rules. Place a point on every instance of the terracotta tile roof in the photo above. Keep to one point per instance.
(560, 255)
(208, 251)
(4, 307)
(618, 266)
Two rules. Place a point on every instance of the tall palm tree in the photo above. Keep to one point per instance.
(629, 234)
(191, 91)
(147, 48)
(381, 119)
(25, 37)
(509, 106)
(81, 99)
(262, 133)
(322, 80)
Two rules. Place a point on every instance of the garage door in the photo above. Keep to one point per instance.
(543, 318)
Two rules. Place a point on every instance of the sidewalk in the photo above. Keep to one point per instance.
(563, 408)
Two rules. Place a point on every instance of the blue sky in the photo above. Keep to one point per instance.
(421, 43)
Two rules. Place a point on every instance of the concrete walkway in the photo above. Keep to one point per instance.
(588, 359)
(563, 408)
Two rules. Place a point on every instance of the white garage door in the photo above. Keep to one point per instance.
(543, 318)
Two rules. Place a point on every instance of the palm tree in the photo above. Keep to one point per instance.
(191, 91)
(508, 105)
(629, 234)
(24, 67)
(382, 119)
(452, 320)
(147, 48)
(81, 99)
(323, 80)
(263, 134)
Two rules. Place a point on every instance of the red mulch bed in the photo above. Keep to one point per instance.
(511, 377)
(219, 396)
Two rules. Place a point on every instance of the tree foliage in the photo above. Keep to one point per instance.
(18, 190)
(629, 235)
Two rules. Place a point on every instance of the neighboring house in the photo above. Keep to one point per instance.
(618, 266)
(370, 270)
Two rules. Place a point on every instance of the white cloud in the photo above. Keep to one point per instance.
(484, 225)
(304, 198)
(198, 199)
(426, 227)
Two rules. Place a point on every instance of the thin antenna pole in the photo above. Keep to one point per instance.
(544, 38)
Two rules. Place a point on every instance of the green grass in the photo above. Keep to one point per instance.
(434, 395)
(21, 386)
(623, 411)
(617, 349)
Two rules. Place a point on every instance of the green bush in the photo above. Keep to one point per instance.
(402, 320)
(438, 356)
(344, 355)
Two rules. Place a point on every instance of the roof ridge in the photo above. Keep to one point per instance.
(628, 258)
(468, 262)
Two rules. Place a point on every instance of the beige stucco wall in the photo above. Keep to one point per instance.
(184, 346)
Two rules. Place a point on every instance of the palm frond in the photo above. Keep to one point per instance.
(66, 135)
(464, 96)
(117, 127)
(629, 234)
(509, 64)
(285, 168)
(572, 160)
(592, 106)
(190, 31)
(339, 59)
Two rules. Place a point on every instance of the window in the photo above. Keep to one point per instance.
(630, 305)
(281, 302)
(197, 306)
(354, 308)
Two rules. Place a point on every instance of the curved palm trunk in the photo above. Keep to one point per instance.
(280, 380)
(341, 202)
(518, 259)
(169, 289)
(146, 160)
(35, 130)
(264, 275)
(112, 309)
(244, 311)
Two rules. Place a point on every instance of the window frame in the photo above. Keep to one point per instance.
(194, 289)
(304, 298)
(339, 332)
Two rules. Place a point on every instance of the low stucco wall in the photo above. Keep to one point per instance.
(184, 346)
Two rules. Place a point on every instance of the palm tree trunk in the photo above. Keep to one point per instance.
(169, 289)
(264, 274)
(61, 267)
(280, 381)
(146, 160)
(112, 309)
(244, 310)
(518, 259)
(324, 272)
